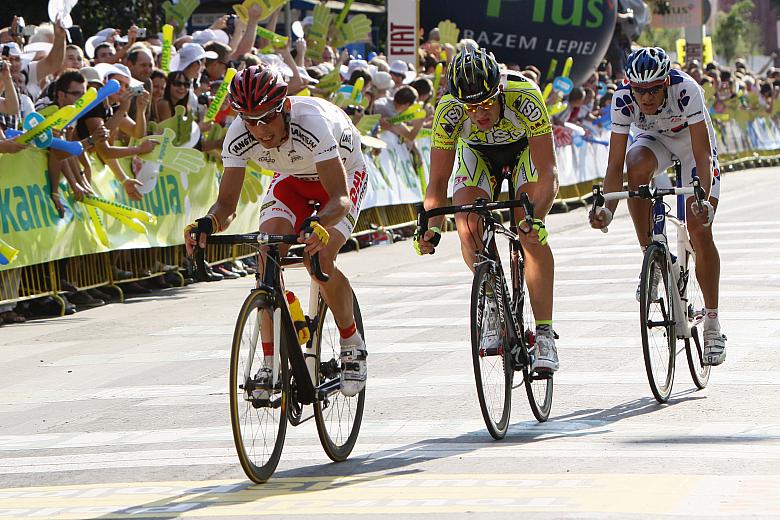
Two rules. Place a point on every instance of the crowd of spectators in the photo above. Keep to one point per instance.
(44, 69)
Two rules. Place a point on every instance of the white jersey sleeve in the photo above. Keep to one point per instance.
(690, 101)
(623, 110)
(238, 141)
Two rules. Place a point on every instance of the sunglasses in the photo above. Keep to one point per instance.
(265, 119)
(187, 84)
(484, 105)
(639, 91)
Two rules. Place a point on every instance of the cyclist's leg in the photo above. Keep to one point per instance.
(539, 261)
(646, 156)
(473, 180)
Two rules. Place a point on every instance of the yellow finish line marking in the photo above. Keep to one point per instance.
(689, 495)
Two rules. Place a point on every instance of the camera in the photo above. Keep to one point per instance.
(136, 90)
(205, 98)
(141, 32)
(2, 65)
(351, 110)
(230, 25)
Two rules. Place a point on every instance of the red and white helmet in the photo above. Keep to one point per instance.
(257, 90)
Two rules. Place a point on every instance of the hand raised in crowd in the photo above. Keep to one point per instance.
(254, 12)
(142, 101)
(124, 101)
(131, 188)
(220, 23)
(132, 34)
(11, 146)
(146, 146)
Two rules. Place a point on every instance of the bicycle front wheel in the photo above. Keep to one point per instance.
(657, 323)
(492, 367)
(338, 417)
(257, 414)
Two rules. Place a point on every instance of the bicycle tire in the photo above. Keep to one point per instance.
(338, 443)
(538, 391)
(493, 370)
(700, 373)
(657, 324)
(249, 419)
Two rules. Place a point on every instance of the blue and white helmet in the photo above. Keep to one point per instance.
(647, 65)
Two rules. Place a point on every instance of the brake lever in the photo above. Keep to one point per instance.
(598, 202)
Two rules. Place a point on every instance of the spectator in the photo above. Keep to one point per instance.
(404, 98)
(105, 53)
(217, 66)
(177, 93)
(400, 73)
(159, 82)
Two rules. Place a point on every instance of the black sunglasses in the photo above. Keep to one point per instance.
(639, 91)
(187, 84)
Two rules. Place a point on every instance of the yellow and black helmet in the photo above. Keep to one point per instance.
(473, 76)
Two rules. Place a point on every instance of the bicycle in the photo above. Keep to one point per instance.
(667, 314)
(301, 377)
(502, 333)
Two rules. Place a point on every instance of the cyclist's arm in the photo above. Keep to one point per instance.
(702, 154)
(436, 193)
(543, 156)
(333, 177)
(227, 200)
(613, 179)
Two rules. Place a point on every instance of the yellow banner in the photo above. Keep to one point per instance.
(30, 223)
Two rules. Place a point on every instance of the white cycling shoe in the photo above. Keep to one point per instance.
(545, 355)
(354, 370)
(714, 347)
(263, 384)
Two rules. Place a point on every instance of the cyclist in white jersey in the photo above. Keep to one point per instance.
(666, 109)
(315, 151)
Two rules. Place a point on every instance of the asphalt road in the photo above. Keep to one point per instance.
(122, 411)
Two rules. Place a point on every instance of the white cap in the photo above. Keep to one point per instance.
(307, 21)
(107, 69)
(400, 67)
(93, 41)
(382, 80)
(305, 76)
(92, 75)
(275, 63)
(38, 47)
(190, 53)
(346, 71)
(210, 35)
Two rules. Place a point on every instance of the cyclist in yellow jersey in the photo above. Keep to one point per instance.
(487, 122)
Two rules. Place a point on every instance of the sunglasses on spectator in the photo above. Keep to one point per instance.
(74, 92)
(484, 105)
(262, 120)
(177, 83)
(641, 91)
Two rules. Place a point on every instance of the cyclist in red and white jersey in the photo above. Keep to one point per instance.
(315, 151)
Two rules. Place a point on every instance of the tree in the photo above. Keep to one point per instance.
(659, 37)
(94, 15)
(735, 34)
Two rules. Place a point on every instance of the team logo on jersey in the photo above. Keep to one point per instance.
(346, 141)
(293, 156)
(683, 100)
(303, 136)
(359, 186)
(267, 205)
(265, 157)
(242, 143)
(625, 105)
(527, 107)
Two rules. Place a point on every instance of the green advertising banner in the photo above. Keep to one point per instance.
(29, 221)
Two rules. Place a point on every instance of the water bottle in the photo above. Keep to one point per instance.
(299, 320)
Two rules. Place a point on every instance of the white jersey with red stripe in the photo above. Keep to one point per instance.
(319, 130)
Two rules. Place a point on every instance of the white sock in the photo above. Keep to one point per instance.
(711, 319)
(353, 341)
(268, 361)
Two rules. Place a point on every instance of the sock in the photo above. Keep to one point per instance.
(544, 328)
(350, 337)
(644, 249)
(347, 331)
(711, 319)
(268, 348)
(268, 361)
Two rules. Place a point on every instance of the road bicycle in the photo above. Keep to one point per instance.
(502, 323)
(302, 375)
(671, 305)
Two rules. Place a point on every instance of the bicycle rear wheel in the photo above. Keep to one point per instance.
(700, 373)
(258, 417)
(657, 323)
(538, 389)
(492, 367)
(338, 417)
